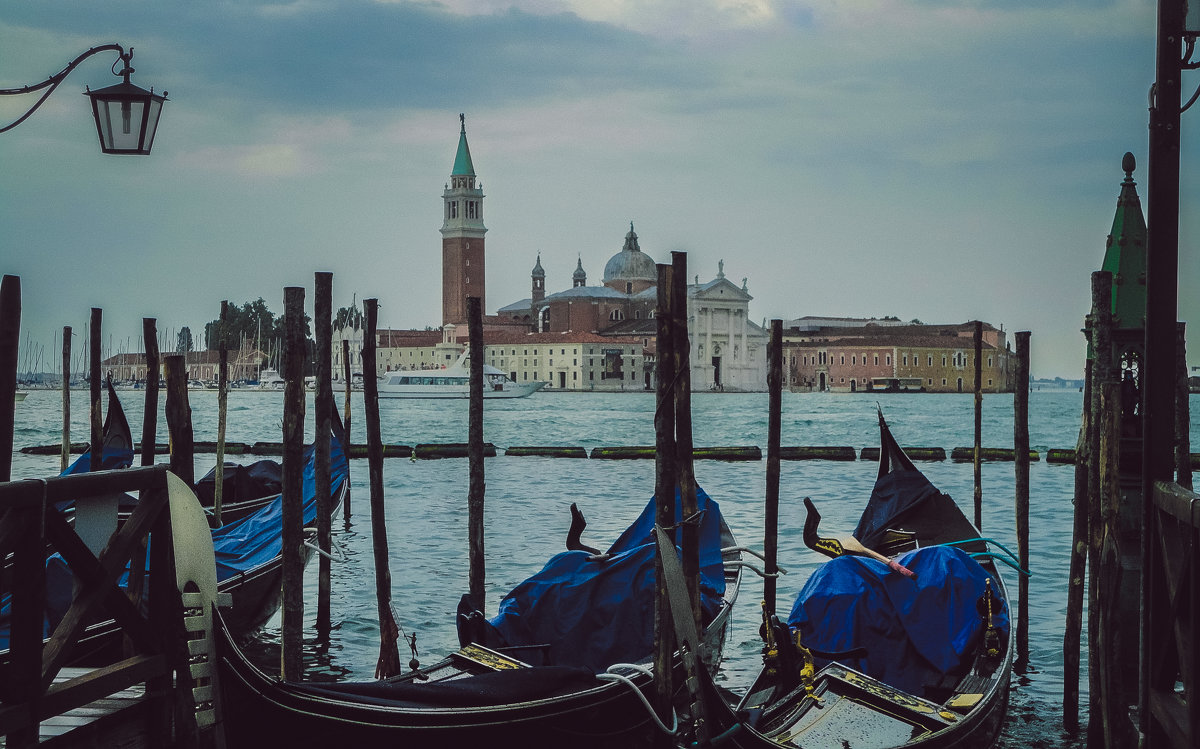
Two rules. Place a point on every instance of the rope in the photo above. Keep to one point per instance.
(609, 675)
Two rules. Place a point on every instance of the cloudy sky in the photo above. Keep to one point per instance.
(945, 160)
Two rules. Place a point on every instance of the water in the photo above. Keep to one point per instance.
(527, 501)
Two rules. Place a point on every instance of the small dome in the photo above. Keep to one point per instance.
(579, 274)
(537, 268)
(630, 264)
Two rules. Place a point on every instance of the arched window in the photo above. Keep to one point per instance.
(616, 315)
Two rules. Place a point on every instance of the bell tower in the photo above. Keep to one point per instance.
(462, 236)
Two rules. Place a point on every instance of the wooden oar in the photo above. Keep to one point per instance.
(836, 547)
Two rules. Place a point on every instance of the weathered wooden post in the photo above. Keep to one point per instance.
(1021, 463)
(179, 419)
(1183, 447)
(346, 419)
(685, 467)
(64, 457)
(293, 482)
(1111, 642)
(774, 436)
(389, 658)
(664, 486)
(475, 488)
(150, 415)
(10, 343)
(979, 423)
(222, 404)
(324, 407)
(96, 459)
(1101, 373)
(1078, 567)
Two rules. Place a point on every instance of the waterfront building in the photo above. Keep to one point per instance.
(244, 365)
(728, 351)
(931, 358)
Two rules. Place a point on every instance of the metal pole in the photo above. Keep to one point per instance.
(1021, 462)
(10, 341)
(64, 458)
(1162, 291)
(96, 459)
(979, 422)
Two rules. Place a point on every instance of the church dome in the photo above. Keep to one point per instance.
(630, 264)
(580, 274)
(538, 271)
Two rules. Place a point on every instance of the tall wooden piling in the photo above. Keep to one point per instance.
(179, 419)
(685, 466)
(1183, 447)
(324, 407)
(346, 373)
(222, 406)
(10, 343)
(1078, 566)
(95, 411)
(979, 424)
(1101, 372)
(1110, 726)
(1021, 464)
(388, 663)
(664, 485)
(293, 483)
(64, 457)
(150, 414)
(774, 437)
(475, 473)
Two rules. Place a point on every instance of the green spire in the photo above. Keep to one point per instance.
(1125, 255)
(462, 160)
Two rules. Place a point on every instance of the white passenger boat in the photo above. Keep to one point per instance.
(269, 379)
(453, 382)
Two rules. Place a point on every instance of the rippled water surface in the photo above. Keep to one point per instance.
(527, 501)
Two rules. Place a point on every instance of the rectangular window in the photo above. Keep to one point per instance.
(989, 364)
(889, 360)
(931, 364)
(842, 361)
(877, 360)
(612, 365)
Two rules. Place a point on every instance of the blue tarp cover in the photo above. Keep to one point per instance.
(914, 631)
(596, 613)
(239, 546)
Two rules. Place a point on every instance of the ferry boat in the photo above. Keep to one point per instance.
(453, 382)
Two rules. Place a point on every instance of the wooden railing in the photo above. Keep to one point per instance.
(1173, 617)
(154, 651)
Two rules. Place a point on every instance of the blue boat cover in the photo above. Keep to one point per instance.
(914, 631)
(239, 546)
(594, 613)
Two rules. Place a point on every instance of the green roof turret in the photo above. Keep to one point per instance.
(1125, 254)
(462, 160)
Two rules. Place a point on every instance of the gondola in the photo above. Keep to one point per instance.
(564, 663)
(247, 549)
(870, 657)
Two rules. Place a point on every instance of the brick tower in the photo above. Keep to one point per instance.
(462, 236)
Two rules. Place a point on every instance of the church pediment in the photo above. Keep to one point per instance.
(721, 289)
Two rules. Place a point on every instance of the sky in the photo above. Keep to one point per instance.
(940, 160)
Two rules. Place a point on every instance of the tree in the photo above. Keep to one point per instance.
(184, 344)
(348, 317)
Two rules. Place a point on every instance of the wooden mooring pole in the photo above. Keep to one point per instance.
(774, 437)
(150, 414)
(322, 481)
(292, 624)
(1183, 446)
(222, 404)
(64, 458)
(388, 663)
(95, 411)
(1021, 466)
(1078, 566)
(1101, 345)
(10, 343)
(979, 423)
(179, 419)
(346, 420)
(664, 489)
(475, 488)
(685, 466)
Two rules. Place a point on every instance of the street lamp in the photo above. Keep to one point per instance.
(126, 115)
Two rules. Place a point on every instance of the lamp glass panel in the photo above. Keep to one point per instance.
(155, 110)
(124, 120)
(1191, 18)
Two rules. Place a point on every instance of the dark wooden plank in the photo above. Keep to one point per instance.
(100, 683)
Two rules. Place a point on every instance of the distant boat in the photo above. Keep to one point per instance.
(21, 396)
(269, 379)
(453, 382)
